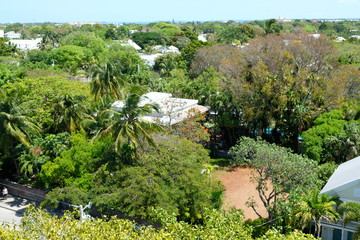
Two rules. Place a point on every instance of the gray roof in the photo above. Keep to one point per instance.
(345, 175)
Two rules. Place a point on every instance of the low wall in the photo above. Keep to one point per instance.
(23, 191)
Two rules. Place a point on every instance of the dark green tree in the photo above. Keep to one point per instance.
(107, 80)
(15, 126)
(128, 130)
(68, 112)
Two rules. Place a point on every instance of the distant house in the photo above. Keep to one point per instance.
(164, 49)
(129, 43)
(12, 35)
(356, 36)
(283, 20)
(26, 44)
(315, 35)
(132, 31)
(171, 110)
(340, 39)
(1, 33)
(149, 58)
(344, 184)
(202, 37)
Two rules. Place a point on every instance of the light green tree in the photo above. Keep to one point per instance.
(350, 211)
(316, 207)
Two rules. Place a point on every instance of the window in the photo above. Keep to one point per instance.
(357, 192)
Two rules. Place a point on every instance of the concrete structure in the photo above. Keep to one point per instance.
(26, 44)
(345, 185)
(171, 110)
(22, 191)
(12, 35)
(12, 209)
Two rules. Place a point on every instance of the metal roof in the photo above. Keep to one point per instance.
(171, 110)
(347, 174)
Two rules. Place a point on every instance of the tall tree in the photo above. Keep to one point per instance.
(15, 127)
(68, 112)
(107, 80)
(314, 208)
(350, 211)
(128, 129)
(279, 174)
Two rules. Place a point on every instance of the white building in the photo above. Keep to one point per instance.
(171, 110)
(340, 39)
(130, 43)
(345, 185)
(164, 49)
(1, 33)
(149, 58)
(315, 35)
(12, 35)
(356, 36)
(202, 37)
(26, 44)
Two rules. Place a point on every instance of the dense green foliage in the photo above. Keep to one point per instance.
(39, 95)
(168, 177)
(268, 78)
(333, 137)
(39, 224)
(144, 39)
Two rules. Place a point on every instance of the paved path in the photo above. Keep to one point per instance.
(12, 209)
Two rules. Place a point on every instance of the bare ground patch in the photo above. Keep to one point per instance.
(238, 189)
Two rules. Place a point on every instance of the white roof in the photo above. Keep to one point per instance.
(202, 37)
(12, 35)
(164, 49)
(340, 39)
(1, 33)
(345, 175)
(355, 36)
(149, 58)
(130, 43)
(315, 35)
(26, 44)
(171, 110)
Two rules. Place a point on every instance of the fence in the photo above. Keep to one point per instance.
(23, 191)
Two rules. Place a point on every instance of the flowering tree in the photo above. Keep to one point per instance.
(192, 128)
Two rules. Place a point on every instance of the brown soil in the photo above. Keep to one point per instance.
(238, 190)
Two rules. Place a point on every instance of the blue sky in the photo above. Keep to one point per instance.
(182, 10)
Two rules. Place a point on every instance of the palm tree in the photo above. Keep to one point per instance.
(14, 126)
(107, 80)
(128, 129)
(316, 207)
(208, 170)
(350, 211)
(67, 113)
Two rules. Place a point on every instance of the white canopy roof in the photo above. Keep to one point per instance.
(345, 175)
(171, 110)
